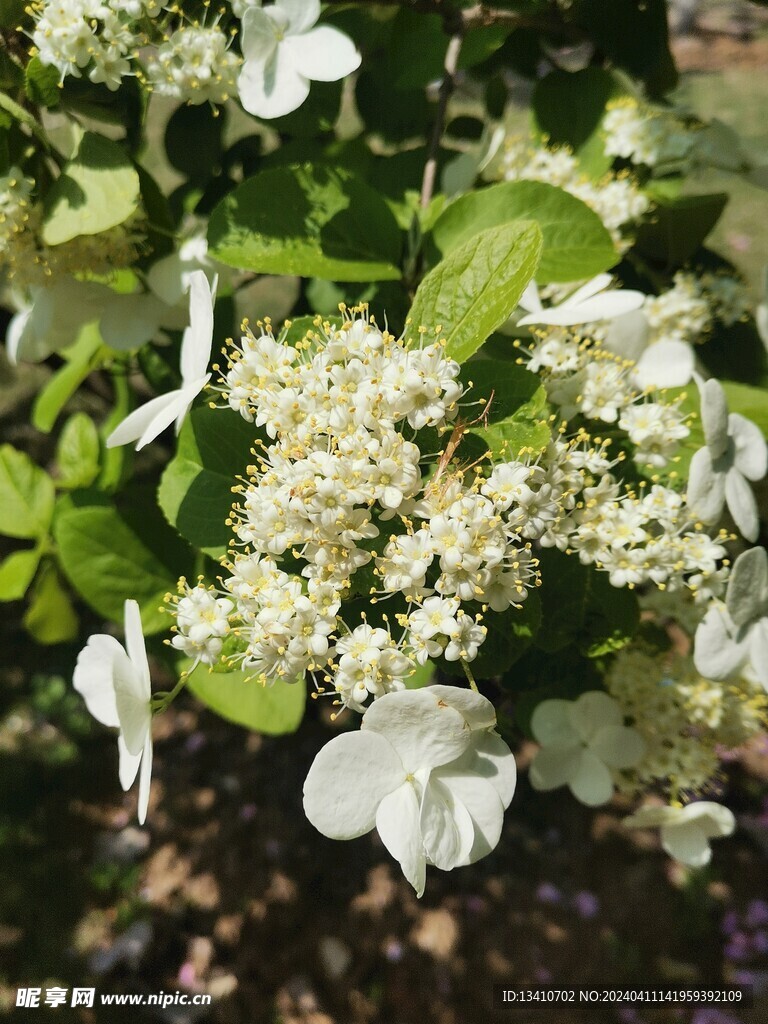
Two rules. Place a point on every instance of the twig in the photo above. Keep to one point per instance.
(446, 88)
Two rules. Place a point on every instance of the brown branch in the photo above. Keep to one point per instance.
(446, 88)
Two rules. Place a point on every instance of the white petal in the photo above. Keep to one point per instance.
(198, 337)
(145, 778)
(686, 843)
(272, 90)
(593, 711)
(714, 416)
(135, 425)
(258, 36)
(301, 14)
(628, 335)
(748, 586)
(128, 764)
(397, 822)
(742, 504)
(601, 307)
(130, 321)
(348, 779)
(483, 805)
(652, 816)
(553, 766)
(134, 712)
(712, 818)
(717, 654)
(135, 646)
(93, 677)
(18, 337)
(477, 710)
(551, 723)
(446, 827)
(424, 730)
(586, 291)
(706, 487)
(530, 299)
(758, 650)
(618, 746)
(665, 364)
(323, 55)
(494, 761)
(751, 452)
(592, 784)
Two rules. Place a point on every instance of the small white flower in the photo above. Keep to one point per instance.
(581, 741)
(735, 453)
(146, 423)
(736, 634)
(114, 682)
(589, 303)
(427, 769)
(686, 831)
(284, 52)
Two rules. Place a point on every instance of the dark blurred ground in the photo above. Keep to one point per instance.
(229, 890)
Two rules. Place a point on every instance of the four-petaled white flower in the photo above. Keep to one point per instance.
(427, 769)
(114, 682)
(147, 422)
(581, 741)
(589, 303)
(283, 52)
(686, 831)
(734, 635)
(735, 453)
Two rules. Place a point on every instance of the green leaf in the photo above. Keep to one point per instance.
(476, 287)
(111, 553)
(193, 141)
(77, 453)
(240, 698)
(518, 414)
(50, 618)
(97, 190)
(196, 488)
(26, 496)
(576, 244)
(81, 359)
(311, 221)
(633, 34)
(749, 402)
(568, 108)
(580, 608)
(510, 634)
(676, 228)
(17, 572)
(42, 83)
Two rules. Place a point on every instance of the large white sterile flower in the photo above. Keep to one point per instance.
(114, 682)
(146, 423)
(283, 52)
(734, 454)
(686, 831)
(427, 769)
(734, 635)
(662, 363)
(589, 303)
(581, 741)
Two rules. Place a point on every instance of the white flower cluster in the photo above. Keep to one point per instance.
(645, 135)
(685, 719)
(195, 65)
(97, 35)
(616, 199)
(336, 406)
(202, 621)
(15, 206)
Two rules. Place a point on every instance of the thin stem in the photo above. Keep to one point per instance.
(468, 674)
(446, 88)
(161, 701)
